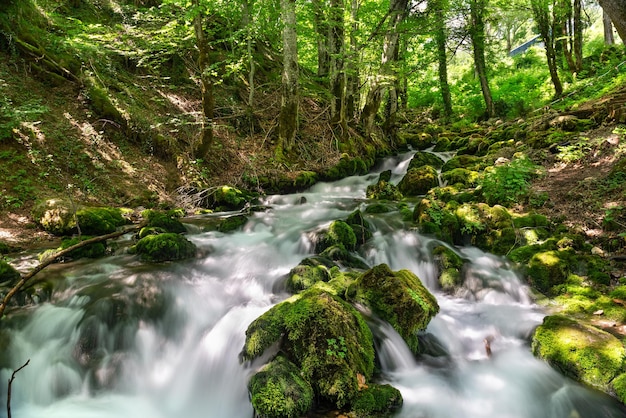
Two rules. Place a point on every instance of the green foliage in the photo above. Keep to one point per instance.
(167, 221)
(336, 347)
(377, 401)
(509, 183)
(8, 274)
(340, 232)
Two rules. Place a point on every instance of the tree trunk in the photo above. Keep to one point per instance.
(442, 56)
(351, 70)
(477, 35)
(288, 118)
(616, 9)
(578, 35)
(208, 100)
(336, 79)
(609, 39)
(247, 22)
(541, 12)
(397, 12)
(323, 43)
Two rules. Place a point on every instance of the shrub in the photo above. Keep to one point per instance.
(507, 184)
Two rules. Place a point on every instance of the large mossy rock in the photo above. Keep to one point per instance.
(338, 233)
(99, 220)
(164, 247)
(399, 298)
(164, 221)
(547, 269)
(278, 390)
(377, 401)
(421, 159)
(418, 181)
(580, 351)
(450, 265)
(361, 227)
(225, 198)
(310, 271)
(55, 216)
(324, 336)
(8, 274)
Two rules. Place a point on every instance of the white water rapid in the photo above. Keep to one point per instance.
(124, 339)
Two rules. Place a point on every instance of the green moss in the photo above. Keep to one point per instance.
(225, 198)
(341, 255)
(374, 208)
(164, 247)
(279, 391)
(530, 220)
(167, 221)
(469, 162)
(95, 250)
(450, 265)
(377, 401)
(232, 223)
(150, 230)
(361, 227)
(307, 273)
(418, 181)
(383, 190)
(341, 233)
(547, 269)
(580, 351)
(99, 220)
(8, 274)
(421, 159)
(324, 336)
(399, 298)
(55, 216)
(461, 176)
(619, 387)
(305, 179)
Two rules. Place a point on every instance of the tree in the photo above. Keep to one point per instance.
(438, 10)
(206, 81)
(609, 39)
(336, 44)
(386, 75)
(476, 31)
(616, 9)
(545, 24)
(320, 23)
(288, 118)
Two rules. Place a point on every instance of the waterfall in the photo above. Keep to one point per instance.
(121, 338)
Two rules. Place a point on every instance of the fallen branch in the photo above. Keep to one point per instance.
(9, 389)
(51, 259)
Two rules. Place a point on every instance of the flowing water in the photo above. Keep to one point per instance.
(125, 339)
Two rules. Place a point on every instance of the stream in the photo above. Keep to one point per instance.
(124, 339)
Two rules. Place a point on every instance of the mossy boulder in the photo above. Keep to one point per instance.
(55, 216)
(450, 265)
(361, 227)
(437, 218)
(310, 271)
(99, 220)
(469, 162)
(338, 233)
(399, 298)
(279, 391)
(95, 250)
(421, 159)
(347, 166)
(461, 176)
(377, 401)
(225, 198)
(339, 254)
(580, 351)
(418, 181)
(547, 269)
(8, 274)
(324, 336)
(232, 223)
(383, 190)
(416, 140)
(166, 221)
(164, 247)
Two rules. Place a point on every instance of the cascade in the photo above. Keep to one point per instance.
(121, 338)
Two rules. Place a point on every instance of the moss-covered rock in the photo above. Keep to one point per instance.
(339, 254)
(399, 298)
(379, 207)
(310, 271)
(450, 265)
(469, 162)
(618, 386)
(383, 190)
(99, 220)
(325, 337)
(421, 159)
(164, 247)
(377, 401)
(347, 166)
(225, 198)
(8, 274)
(581, 351)
(547, 269)
(418, 181)
(437, 218)
(461, 176)
(278, 390)
(95, 250)
(232, 223)
(55, 216)
(166, 221)
(361, 227)
(338, 233)
(416, 140)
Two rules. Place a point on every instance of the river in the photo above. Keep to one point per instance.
(120, 338)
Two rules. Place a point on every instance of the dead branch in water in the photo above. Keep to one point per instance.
(9, 389)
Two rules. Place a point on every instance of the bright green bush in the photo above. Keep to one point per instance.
(509, 183)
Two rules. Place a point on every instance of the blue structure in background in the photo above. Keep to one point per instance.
(523, 47)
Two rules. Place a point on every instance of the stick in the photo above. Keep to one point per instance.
(9, 389)
(51, 259)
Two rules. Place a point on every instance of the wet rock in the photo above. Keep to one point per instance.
(418, 181)
(421, 159)
(164, 247)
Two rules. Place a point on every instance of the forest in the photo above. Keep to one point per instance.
(321, 208)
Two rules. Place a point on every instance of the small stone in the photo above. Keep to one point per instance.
(502, 161)
(599, 312)
(597, 251)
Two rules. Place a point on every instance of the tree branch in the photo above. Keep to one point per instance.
(52, 258)
(9, 389)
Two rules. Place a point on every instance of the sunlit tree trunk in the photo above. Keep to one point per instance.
(441, 36)
(288, 118)
(609, 39)
(578, 35)
(541, 13)
(247, 24)
(206, 82)
(616, 9)
(477, 35)
(385, 77)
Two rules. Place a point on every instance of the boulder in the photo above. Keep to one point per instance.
(418, 181)
(421, 159)
(164, 247)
